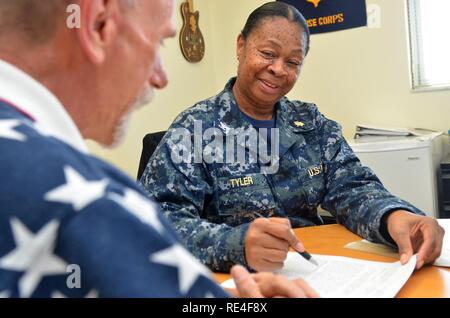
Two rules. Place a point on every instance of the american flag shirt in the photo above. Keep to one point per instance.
(72, 225)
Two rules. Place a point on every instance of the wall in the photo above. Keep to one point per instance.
(354, 76)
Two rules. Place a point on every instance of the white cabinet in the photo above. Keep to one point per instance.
(407, 166)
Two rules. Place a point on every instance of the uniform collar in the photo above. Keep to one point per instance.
(228, 116)
(37, 102)
(293, 119)
(289, 116)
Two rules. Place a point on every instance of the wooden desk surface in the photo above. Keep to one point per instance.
(430, 281)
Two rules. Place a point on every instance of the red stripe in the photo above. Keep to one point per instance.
(17, 108)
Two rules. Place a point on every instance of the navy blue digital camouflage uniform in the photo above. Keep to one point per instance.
(211, 204)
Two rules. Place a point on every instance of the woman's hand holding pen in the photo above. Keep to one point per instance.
(267, 243)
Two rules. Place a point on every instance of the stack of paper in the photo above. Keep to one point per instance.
(343, 277)
(368, 130)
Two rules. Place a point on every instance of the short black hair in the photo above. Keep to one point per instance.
(276, 9)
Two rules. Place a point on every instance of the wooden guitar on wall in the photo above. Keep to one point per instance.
(191, 38)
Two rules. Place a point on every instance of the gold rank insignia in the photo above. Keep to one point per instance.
(298, 124)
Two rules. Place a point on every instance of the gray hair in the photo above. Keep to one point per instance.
(36, 21)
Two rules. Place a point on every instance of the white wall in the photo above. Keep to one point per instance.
(354, 76)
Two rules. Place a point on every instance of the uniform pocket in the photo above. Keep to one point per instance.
(245, 194)
(313, 184)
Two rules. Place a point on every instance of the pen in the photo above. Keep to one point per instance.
(304, 254)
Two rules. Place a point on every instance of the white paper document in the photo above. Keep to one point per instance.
(444, 258)
(343, 277)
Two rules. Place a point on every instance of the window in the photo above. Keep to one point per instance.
(429, 29)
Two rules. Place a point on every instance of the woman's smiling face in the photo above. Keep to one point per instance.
(270, 60)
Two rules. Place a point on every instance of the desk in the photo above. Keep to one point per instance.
(430, 281)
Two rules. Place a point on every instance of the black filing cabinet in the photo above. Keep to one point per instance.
(444, 196)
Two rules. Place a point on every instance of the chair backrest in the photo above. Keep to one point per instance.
(149, 144)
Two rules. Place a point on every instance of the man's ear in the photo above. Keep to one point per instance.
(99, 26)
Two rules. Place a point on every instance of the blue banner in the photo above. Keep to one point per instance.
(331, 15)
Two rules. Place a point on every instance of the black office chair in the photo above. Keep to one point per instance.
(149, 144)
(327, 218)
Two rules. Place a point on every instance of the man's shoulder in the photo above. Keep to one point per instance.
(37, 169)
(24, 139)
(29, 154)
